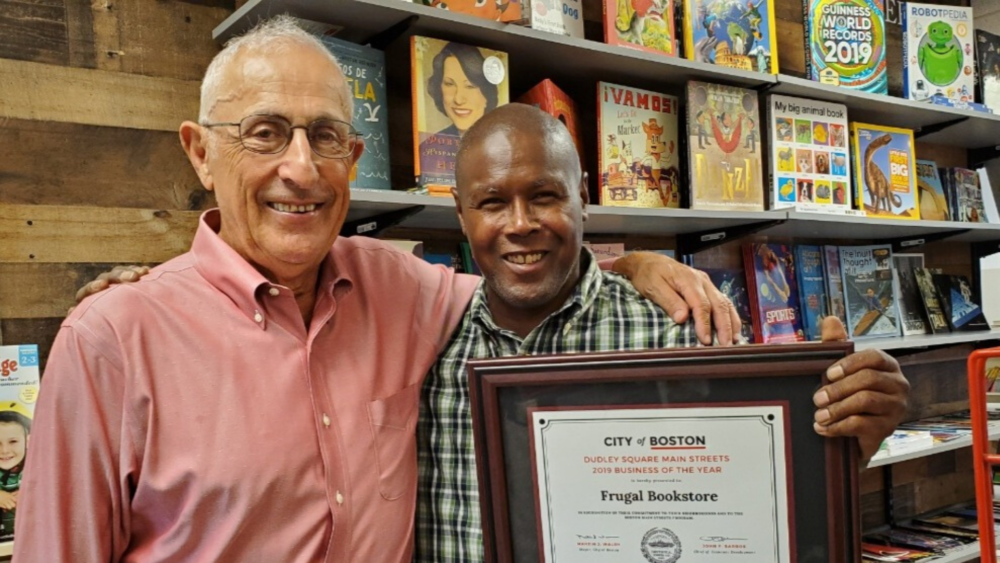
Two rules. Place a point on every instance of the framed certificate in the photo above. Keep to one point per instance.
(695, 455)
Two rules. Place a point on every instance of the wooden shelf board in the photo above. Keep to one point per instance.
(926, 340)
(993, 430)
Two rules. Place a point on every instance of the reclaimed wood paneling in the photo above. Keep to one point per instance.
(33, 291)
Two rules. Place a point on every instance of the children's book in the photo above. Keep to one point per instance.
(733, 33)
(885, 185)
(868, 294)
(988, 57)
(19, 381)
(920, 540)
(774, 297)
(936, 319)
(454, 84)
(646, 26)
(933, 201)
(552, 100)
(724, 148)
(877, 552)
(637, 132)
(733, 284)
(938, 52)
(950, 192)
(845, 44)
(834, 283)
(911, 306)
(364, 70)
(508, 11)
(810, 162)
(968, 196)
(959, 304)
(562, 17)
(812, 289)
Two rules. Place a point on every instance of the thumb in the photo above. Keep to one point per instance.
(833, 330)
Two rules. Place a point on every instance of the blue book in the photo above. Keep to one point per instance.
(812, 288)
(870, 300)
(774, 296)
(364, 69)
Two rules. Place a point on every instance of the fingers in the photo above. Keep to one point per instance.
(696, 298)
(118, 274)
(833, 330)
(866, 359)
(91, 288)
(726, 329)
(870, 431)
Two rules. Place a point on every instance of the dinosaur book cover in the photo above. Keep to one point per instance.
(959, 304)
(911, 307)
(812, 288)
(936, 319)
(733, 284)
(638, 144)
(834, 282)
(885, 184)
(988, 59)
(845, 44)
(774, 296)
(724, 148)
(930, 192)
(733, 33)
(938, 52)
(808, 153)
(646, 25)
(364, 69)
(552, 100)
(453, 85)
(870, 301)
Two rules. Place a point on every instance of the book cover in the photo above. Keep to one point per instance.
(733, 284)
(958, 304)
(968, 196)
(812, 289)
(988, 57)
(911, 307)
(950, 193)
(876, 552)
(845, 44)
(646, 25)
(809, 158)
(508, 11)
(737, 34)
(19, 382)
(938, 52)
(724, 152)
(936, 319)
(774, 296)
(884, 185)
(554, 101)
(933, 201)
(920, 540)
(562, 17)
(868, 295)
(453, 86)
(364, 70)
(637, 147)
(834, 283)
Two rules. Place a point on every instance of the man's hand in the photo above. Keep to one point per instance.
(679, 290)
(866, 397)
(118, 274)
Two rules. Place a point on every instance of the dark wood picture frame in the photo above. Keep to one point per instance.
(823, 486)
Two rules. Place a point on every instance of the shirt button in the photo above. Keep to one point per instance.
(274, 292)
(326, 420)
(340, 498)
(257, 317)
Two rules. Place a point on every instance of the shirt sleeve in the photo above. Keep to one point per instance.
(449, 293)
(74, 501)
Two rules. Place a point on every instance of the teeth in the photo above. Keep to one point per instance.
(285, 208)
(524, 258)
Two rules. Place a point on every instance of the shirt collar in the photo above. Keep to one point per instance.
(579, 301)
(230, 273)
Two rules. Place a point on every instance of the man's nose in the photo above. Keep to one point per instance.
(523, 220)
(299, 161)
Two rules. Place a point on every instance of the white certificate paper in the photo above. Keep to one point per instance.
(661, 485)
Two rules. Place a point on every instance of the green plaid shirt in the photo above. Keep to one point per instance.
(604, 313)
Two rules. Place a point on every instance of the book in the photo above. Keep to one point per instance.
(845, 44)
(562, 17)
(904, 441)
(724, 155)
(364, 70)
(834, 283)
(733, 284)
(737, 34)
(808, 155)
(603, 251)
(911, 307)
(19, 369)
(454, 84)
(552, 100)
(637, 132)
(646, 26)
(868, 294)
(938, 52)
(508, 11)
(988, 58)
(936, 319)
(950, 192)
(876, 552)
(920, 540)
(960, 309)
(990, 212)
(774, 297)
(884, 184)
(812, 289)
(930, 192)
(967, 195)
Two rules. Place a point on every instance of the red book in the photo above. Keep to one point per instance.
(552, 100)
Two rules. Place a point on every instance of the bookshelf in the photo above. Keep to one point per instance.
(963, 442)
(926, 340)
(965, 553)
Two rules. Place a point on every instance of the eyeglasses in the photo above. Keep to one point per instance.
(270, 134)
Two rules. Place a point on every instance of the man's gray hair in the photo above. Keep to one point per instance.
(264, 37)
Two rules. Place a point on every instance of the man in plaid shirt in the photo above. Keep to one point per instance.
(521, 200)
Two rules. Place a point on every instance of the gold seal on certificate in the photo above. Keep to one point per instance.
(616, 483)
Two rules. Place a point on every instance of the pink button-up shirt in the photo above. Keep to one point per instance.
(192, 417)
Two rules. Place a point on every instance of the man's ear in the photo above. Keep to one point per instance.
(359, 149)
(584, 194)
(458, 209)
(194, 141)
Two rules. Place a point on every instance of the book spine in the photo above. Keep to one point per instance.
(690, 17)
(414, 93)
(907, 93)
(773, 33)
(808, 31)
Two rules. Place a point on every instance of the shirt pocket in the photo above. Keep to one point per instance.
(393, 421)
